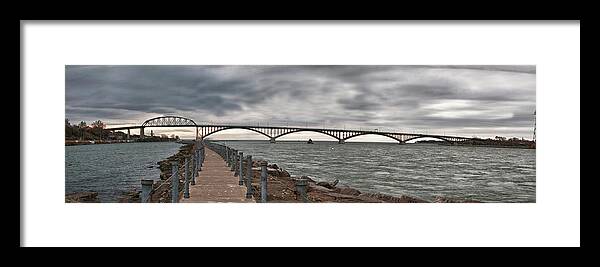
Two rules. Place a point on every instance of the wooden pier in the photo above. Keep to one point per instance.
(216, 183)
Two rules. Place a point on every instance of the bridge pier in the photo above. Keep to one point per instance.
(128, 134)
(141, 132)
(341, 141)
(272, 140)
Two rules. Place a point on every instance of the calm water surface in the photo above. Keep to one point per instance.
(420, 170)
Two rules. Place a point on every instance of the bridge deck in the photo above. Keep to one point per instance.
(216, 183)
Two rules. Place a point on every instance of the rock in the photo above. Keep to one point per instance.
(307, 178)
(392, 199)
(274, 166)
(132, 196)
(441, 199)
(322, 189)
(348, 191)
(277, 172)
(328, 184)
(82, 197)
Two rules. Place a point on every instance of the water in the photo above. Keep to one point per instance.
(419, 170)
(111, 169)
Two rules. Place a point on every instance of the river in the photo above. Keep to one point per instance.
(420, 170)
(111, 169)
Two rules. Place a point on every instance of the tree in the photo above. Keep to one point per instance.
(82, 127)
(98, 124)
(98, 127)
(69, 132)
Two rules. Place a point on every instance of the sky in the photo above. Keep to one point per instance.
(466, 100)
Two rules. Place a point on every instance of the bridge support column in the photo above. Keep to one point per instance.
(341, 141)
(142, 133)
(402, 143)
(128, 134)
(272, 141)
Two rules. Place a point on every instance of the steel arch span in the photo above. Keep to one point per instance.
(307, 130)
(206, 131)
(169, 121)
(399, 138)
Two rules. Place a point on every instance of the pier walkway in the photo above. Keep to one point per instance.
(216, 183)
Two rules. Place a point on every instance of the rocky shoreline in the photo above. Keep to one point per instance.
(162, 188)
(281, 188)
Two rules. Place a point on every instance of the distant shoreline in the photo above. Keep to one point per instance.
(392, 143)
(103, 142)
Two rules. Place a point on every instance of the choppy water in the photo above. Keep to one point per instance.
(111, 169)
(420, 170)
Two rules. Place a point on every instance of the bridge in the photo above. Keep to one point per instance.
(274, 132)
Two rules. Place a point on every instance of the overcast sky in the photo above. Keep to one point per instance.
(482, 101)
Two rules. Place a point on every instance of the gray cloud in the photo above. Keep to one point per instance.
(465, 98)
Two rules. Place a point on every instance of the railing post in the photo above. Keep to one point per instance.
(186, 184)
(174, 181)
(263, 182)
(195, 164)
(146, 190)
(241, 168)
(249, 177)
(233, 161)
(301, 188)
(227, 155)
(201, 153)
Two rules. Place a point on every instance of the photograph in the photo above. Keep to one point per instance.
(300, 133)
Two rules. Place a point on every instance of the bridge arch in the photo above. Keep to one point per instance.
(234, 127)
(306, 130)
(426, 136)
(373, 133)
(166, 121)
